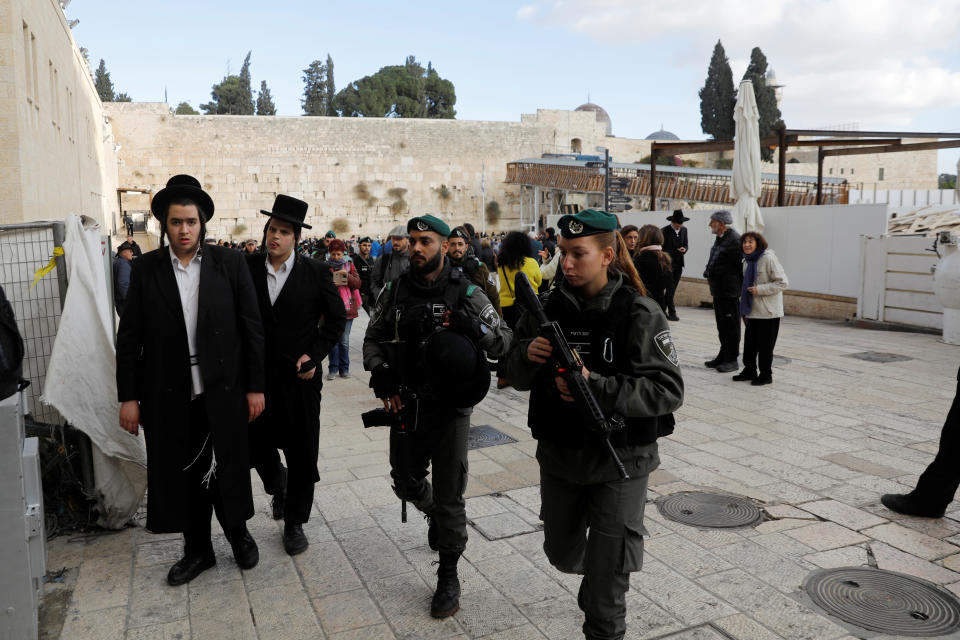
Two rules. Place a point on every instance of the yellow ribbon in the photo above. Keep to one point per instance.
(47, 268)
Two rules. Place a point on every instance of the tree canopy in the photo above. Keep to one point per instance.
(101, 80)
(318, 88)
(265, 106)
(232, 95)
(718, 97)
(184, 109)
(399, 91)
(766, 97)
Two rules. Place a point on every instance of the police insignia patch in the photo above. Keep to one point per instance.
(422, 226)
(489, 317)
(575, 227)
(666, 346)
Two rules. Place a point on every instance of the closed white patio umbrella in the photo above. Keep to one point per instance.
(745, 186)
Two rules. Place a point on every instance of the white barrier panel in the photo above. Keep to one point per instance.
(818, 246)
(897, 283)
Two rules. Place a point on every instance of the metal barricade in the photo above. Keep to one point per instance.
(24, 249)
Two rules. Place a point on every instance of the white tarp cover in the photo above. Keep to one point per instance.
(746, 185)
(81, 377)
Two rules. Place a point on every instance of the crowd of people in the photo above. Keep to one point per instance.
(219, 353)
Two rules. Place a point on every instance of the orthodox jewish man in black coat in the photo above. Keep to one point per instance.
(675, 243)
(303, 317)
(190, 371)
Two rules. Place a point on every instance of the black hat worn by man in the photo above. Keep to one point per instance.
(676, 244)
(190, 370)
(428, 300)
(293, 293)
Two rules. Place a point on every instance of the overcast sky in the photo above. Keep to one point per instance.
(876, 64)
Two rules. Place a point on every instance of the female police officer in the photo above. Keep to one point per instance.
(593, 520)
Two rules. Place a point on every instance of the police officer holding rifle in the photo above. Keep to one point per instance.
(424, 348)
(595, 460)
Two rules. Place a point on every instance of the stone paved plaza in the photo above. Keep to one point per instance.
(815, 450)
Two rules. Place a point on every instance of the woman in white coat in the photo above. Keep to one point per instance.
(761, 307)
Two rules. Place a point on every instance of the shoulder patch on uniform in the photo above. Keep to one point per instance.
(389, 285)
(489, 317)
(470, 289)
(665, 344)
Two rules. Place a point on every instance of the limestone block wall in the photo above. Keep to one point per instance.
(360, 175)
(910, 170)
(56, 153)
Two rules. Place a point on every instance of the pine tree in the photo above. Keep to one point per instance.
(101, 81)
(265, 106)
(317, 88)
(122, 97)
(718, 97)
(329, 87)
(399, 91)
(766, 98)
(232, 95)
(184, 109)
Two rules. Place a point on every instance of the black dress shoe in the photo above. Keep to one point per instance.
(712, 363)
(294, 540)
(189, 567)
(746, 374)
(673, 316)
(245, 550)
(910, 504)
(727, 367)
(280, 497)
(763, 378)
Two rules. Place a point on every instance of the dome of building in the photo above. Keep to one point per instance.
(601, 114)
(662, 134)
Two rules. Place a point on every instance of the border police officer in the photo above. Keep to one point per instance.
(593, 520)
(423, 369)
(470, 265)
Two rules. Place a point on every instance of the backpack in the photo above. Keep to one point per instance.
(11, 351)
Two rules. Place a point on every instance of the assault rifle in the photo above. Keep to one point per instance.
(403, 423)
(569, 366)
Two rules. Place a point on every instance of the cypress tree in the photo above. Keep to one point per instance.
(245, 97)
(329, 89)
(766, 98)
(101, 80)
(718, 97)
(265, 106)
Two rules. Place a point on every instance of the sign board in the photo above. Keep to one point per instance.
(619, 199)
(617, 182)
(596, 165)
(618, 207)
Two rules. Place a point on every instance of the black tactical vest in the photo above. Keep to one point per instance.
(600, 339)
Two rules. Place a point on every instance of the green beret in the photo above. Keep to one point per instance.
(429, 223)
(587, 223)
(460, 232)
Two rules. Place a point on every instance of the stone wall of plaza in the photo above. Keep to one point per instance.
(56, 152)
(360, 175)
(911, 170)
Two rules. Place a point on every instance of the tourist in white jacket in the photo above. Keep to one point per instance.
(761, 307)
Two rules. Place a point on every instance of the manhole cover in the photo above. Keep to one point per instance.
(884, 601)
(879, 356)
(483, 435)
(708, 510)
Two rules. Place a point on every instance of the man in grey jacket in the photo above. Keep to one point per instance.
(390, 265)
(724, 273)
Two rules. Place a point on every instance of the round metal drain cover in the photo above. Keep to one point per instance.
(708, 510)
(884, 601)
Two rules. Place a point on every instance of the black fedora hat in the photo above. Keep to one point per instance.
(290, 210)
(678, 217)
(181, 186)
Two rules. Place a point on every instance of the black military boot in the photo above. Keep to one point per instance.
(446, 599)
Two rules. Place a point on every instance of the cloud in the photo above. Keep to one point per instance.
(878, 63)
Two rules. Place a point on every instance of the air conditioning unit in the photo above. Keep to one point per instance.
(23, 546)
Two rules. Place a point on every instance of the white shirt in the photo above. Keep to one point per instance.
(277, 278)
(188, 283)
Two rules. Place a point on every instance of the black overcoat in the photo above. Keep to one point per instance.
(153, 366)
(308, 317)
(724, 272)
(671, 243)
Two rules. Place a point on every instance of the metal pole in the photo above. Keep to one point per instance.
(606, 179)
(653, 179)
(782, 177)
(819, 175)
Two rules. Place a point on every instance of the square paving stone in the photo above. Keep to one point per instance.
(781, 573)
(645, 619)
(152, 600)
(557, 618)
(326, 570)
(179, 630)
(348, 610)
(519, 580)
(103, 583)
(682, 598)
(895, 560)
(855, 556)
(405, 601)
(376, 632)
(502, 525)
(284, 613)
(687, 558)
(842, 514)
(825, 535)
(105, 624)
(743, 627)
(913, 542)
(485, 612)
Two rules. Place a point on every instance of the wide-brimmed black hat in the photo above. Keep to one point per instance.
(181, 186)
(289, 209)
(678, 217)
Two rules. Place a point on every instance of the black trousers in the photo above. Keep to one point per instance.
(299, 500)
(202, 499)
(442, 445)
(727, 312)
(938, 483)
(759, 339)
(672, 289)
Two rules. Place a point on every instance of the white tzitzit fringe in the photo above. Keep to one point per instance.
(211, 472)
